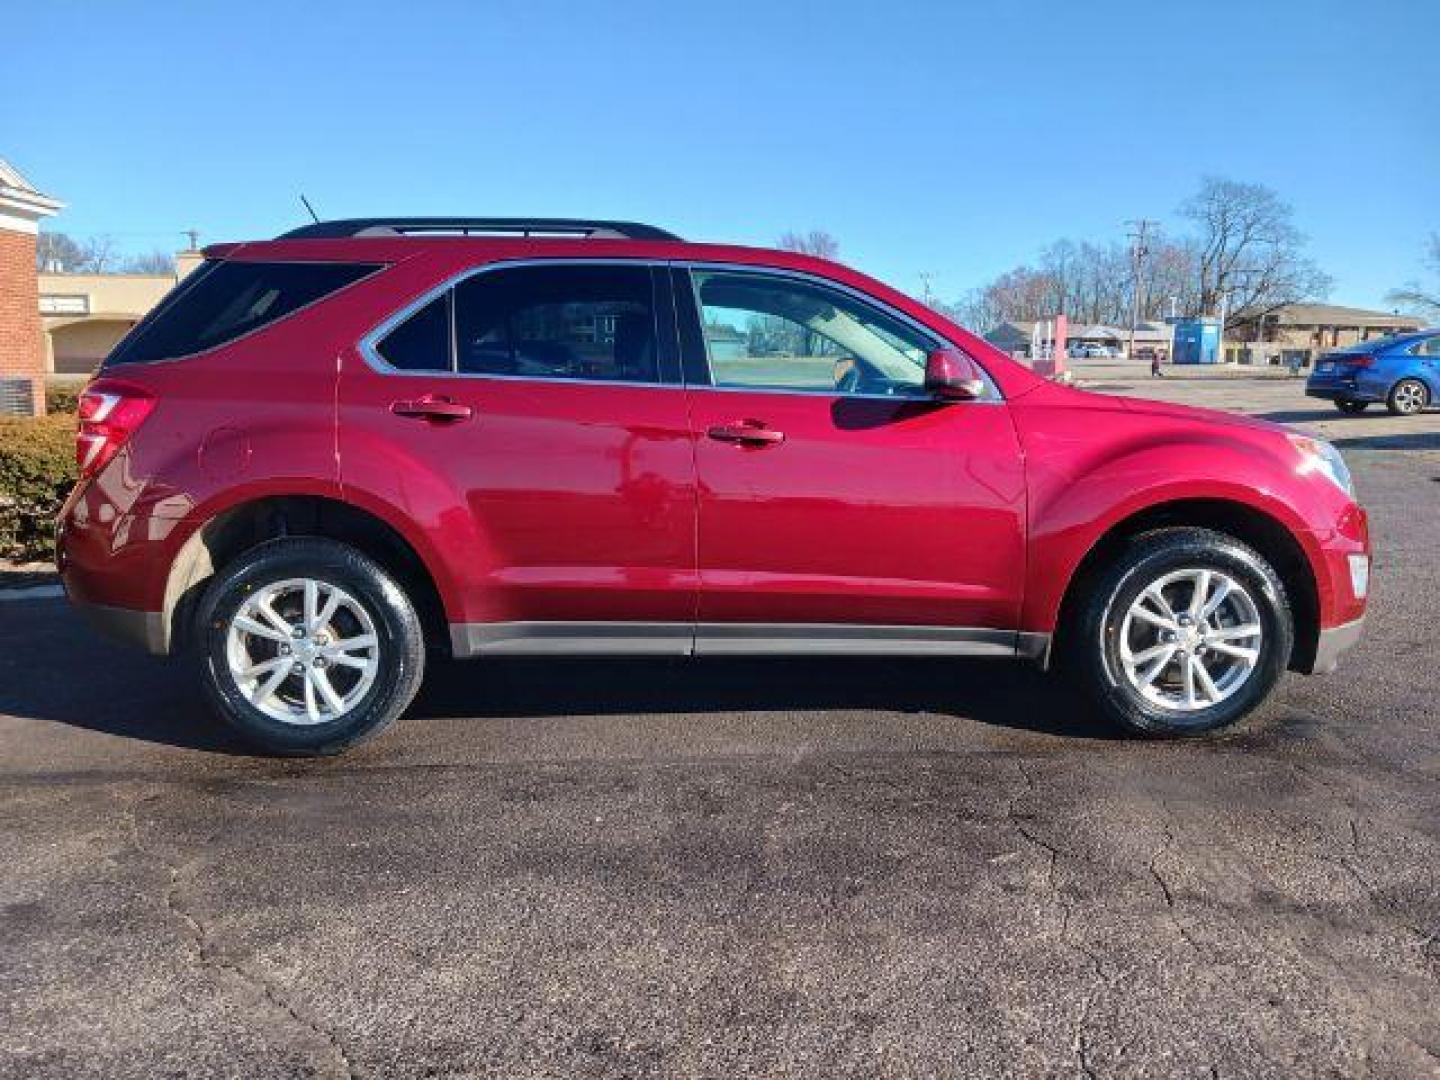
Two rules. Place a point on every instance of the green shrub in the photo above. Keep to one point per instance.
(62, 397)
(37, 469)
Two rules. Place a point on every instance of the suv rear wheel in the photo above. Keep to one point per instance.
(309, 646)
(1186, 631)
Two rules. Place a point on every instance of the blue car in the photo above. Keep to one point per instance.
(1402, 371)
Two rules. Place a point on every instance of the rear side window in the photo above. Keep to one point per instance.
(589, 322)
(223, 301)
(421, 342)
(558, 322)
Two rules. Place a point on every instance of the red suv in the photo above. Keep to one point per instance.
(324, 456)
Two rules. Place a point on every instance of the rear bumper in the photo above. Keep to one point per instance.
(1335, 642)
(142, 629)
(1341, 392)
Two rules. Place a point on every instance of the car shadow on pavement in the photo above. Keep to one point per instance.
(160, 701)
(1360, 439)
(1298, 416)
(1410, 440)
(57, 670)
(996, 692)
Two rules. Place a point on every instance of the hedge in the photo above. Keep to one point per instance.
(37, 469)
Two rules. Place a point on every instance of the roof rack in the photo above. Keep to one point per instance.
(582, 227)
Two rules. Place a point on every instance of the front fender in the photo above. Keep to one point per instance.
(1082, 486)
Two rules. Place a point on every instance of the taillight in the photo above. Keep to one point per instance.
(1358, 362)
(109, 415)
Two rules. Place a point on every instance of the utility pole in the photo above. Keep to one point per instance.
(1139, 248)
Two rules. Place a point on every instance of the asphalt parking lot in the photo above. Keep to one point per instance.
(813, 868)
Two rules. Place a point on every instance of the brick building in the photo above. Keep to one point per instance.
(22, 350)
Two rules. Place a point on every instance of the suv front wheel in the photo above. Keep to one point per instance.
(1185, 631)
(309, 646)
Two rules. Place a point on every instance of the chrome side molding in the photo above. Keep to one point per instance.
(737, 639)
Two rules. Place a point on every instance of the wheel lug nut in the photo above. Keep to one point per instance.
(298, 632)
(319, 661)
(284, 650)
(298, 668)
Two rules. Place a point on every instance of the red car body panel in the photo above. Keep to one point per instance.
(1080, 487)
(559, 501)
(870, 510)
(593, 502)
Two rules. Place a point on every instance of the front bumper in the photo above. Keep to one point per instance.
(1335, 642)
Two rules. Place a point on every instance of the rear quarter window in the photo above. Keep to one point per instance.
(222, 301)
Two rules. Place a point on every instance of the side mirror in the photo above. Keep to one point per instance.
(952, 376)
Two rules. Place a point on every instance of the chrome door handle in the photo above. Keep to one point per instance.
(747, 433)
(434, 407)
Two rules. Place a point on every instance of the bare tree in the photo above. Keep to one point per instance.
(155, 262)
(100, 255)
(56, 252)
(1246, 256)
(1421, 299)
(816, 242)
(822, 245)
(1249, 251)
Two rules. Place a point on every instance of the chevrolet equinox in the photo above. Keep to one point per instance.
(326, 456)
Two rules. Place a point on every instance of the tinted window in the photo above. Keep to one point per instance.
(1428, 347)
(572, 322)
(221, 301)
(768, 332)
(421, 342)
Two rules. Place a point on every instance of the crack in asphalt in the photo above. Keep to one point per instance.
(206, 955)
(1154, 866)
(1079, 1042)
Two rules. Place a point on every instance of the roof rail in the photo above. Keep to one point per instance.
(628, 230)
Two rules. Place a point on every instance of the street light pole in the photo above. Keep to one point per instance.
(1138, 251)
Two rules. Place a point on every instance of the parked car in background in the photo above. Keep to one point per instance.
(1402, 371)
(324, 457)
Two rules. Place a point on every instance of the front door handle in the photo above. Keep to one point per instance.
(747, 433)
(434, 407)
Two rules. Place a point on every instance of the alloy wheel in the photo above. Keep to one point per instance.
(303, 651)
(1409, 397)
(1190, 639)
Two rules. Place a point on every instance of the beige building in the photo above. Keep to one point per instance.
(1015, 337)
(1300, 332)
(83, 316)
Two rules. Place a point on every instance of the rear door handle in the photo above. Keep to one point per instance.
(747, 433)
(435, 407)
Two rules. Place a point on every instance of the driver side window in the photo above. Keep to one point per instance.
(767, 332)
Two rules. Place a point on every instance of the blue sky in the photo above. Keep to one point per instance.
(953, 138)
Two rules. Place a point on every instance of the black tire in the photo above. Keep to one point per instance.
(1345, 405)
(1408, 397)
(401, 644)
(1092, 646)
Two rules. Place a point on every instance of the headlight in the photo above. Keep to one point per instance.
(1318, 456)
